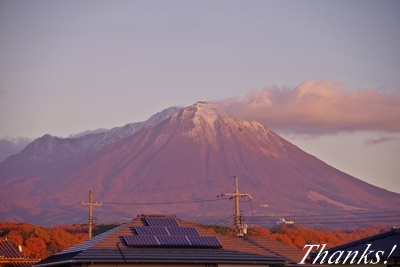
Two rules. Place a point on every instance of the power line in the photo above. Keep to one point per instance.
(355, 218)
(385, 220)
(327, 216)
(367, 219)
(173, 187)
(351, 222)
(163, 203)
(340, 214)
(316, 218)
(224, 222)
(342, 220)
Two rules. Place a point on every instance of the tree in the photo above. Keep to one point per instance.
(35, 247)
(15, 237)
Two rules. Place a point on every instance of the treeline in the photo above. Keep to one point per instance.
(297, 236)
(39, 242)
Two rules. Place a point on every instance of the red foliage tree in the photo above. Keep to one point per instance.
(35, 248)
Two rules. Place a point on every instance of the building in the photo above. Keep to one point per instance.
(380, 250)
(284, 222)
(10, 256)
(161, 240)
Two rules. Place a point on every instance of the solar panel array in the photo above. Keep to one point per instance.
(138, 240)
(157, 230)
(173, 241)
(189, 231)
(166, 222)
(145, 230)
(166, 232)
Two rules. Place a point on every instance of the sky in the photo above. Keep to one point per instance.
(323, 74)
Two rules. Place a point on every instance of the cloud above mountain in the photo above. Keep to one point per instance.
(318, 107)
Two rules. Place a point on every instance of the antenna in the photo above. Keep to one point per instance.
(91, 204)
(240, 229)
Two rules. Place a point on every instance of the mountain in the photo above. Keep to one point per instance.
(177, 162)
(11, 146)
(55, 149)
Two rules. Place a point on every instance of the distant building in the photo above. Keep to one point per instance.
(283, 221)
(160, 240)
(10, 256)
(378, 250)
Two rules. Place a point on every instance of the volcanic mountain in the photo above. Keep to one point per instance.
(180, 161)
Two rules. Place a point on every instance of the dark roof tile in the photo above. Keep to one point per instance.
(8, 250)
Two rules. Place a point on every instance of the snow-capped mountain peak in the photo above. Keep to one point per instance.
(118, 133)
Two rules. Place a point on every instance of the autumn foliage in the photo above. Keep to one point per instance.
(39, 242)
(297, 236)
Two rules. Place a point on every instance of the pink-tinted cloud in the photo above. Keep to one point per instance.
(318, 107)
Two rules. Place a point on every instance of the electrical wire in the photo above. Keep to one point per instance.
(224, 222)
(332, 214)
(340, 214)
(305, 219)
(163, 203)
(384, 219)
(349, 222)
(172, 187)
(316, 218)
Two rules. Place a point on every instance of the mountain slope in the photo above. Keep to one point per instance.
(185, 160)
(11, 146)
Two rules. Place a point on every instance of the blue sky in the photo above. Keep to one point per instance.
(69, 66)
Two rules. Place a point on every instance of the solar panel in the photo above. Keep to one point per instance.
(168, 222)
(188, 231)
(174, 241)
(155, 230)
(138, 241)
(205, 241)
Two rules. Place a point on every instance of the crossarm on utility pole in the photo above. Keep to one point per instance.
(236, 195)
(91, 204)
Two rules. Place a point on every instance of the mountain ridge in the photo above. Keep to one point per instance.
(11, 146)
(196, 145)
(74, 146)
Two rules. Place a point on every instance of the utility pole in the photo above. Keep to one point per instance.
(91, 204)
(236, 195)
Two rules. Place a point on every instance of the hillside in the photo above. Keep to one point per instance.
(178, 164)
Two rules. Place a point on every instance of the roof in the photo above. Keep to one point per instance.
(8, 250)
(11, 256)
(384, 242)
(111, 247)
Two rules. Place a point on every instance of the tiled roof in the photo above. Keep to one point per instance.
(8, 250)
(10, 256)
(111, 247)
(381, 242)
